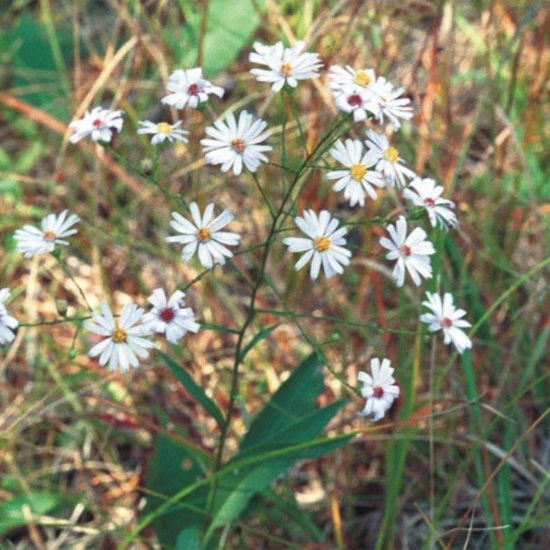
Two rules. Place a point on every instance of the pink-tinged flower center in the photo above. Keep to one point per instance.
(405, 250)
(429, 202)
(355, 100)
(167, 315)
(377, 392)
(49, 236)
(193, 89)
(238, 145)
(446, 322)
(97, 123)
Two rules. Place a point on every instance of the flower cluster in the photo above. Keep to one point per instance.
(364, 167)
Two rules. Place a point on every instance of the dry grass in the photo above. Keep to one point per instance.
(477, 74)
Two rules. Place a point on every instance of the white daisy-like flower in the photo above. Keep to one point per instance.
(32, 241)
(427, 194)
(340, 77)
(124, 338)
(360, 102)
(392, 105)
(189, 88)
(203, 235)
(411, 252)
(324, 244)
(445, 317)
(162, 131)
(386, 159)
(233, 143)
(378, 389)
(169, 316)
(99, 124)
(357, 180)
(284, 65)
(8, 323)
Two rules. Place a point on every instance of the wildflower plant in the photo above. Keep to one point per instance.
(354, 155)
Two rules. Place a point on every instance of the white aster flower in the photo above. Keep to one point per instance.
(387, 160)
(189, 88)
(233, 143)
(98, 123)
(379, 389)
(324, 245)
(445, 317)
(340, 77)
(412, 252)
(357, 180)
(8, 324)
(284, 65)
(357, 101)
(392, 105)
(32, 241)
(123, 341)
(162, 131)
(427, 194)
(169, 316)
(203, 234)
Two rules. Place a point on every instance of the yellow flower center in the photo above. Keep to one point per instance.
(49, 236)
(391, 154)
(238, 145)
(321, 244)
(286, 69)
(358, 171)
(163, 128)
(119, 335)
(203, 234)
(362, 78)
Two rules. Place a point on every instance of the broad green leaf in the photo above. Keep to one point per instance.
(172, 467)
(288, 418)
(229, 28)
(189, 539)
(11, 511)
(194, 389)
(318, 447)
(286, 504)
(34, 63)
(291, 402)
(238, 487)
(264, 333)
(305, 429)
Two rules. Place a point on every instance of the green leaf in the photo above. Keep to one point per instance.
(33, 62)
(291, 402)
(168, 504)
(11, 512)
(194, 389)
(172, 467)
(264, 333)
(229, 28)
(288, 418)
(240, 485)
(189, 539)
(292, 511)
